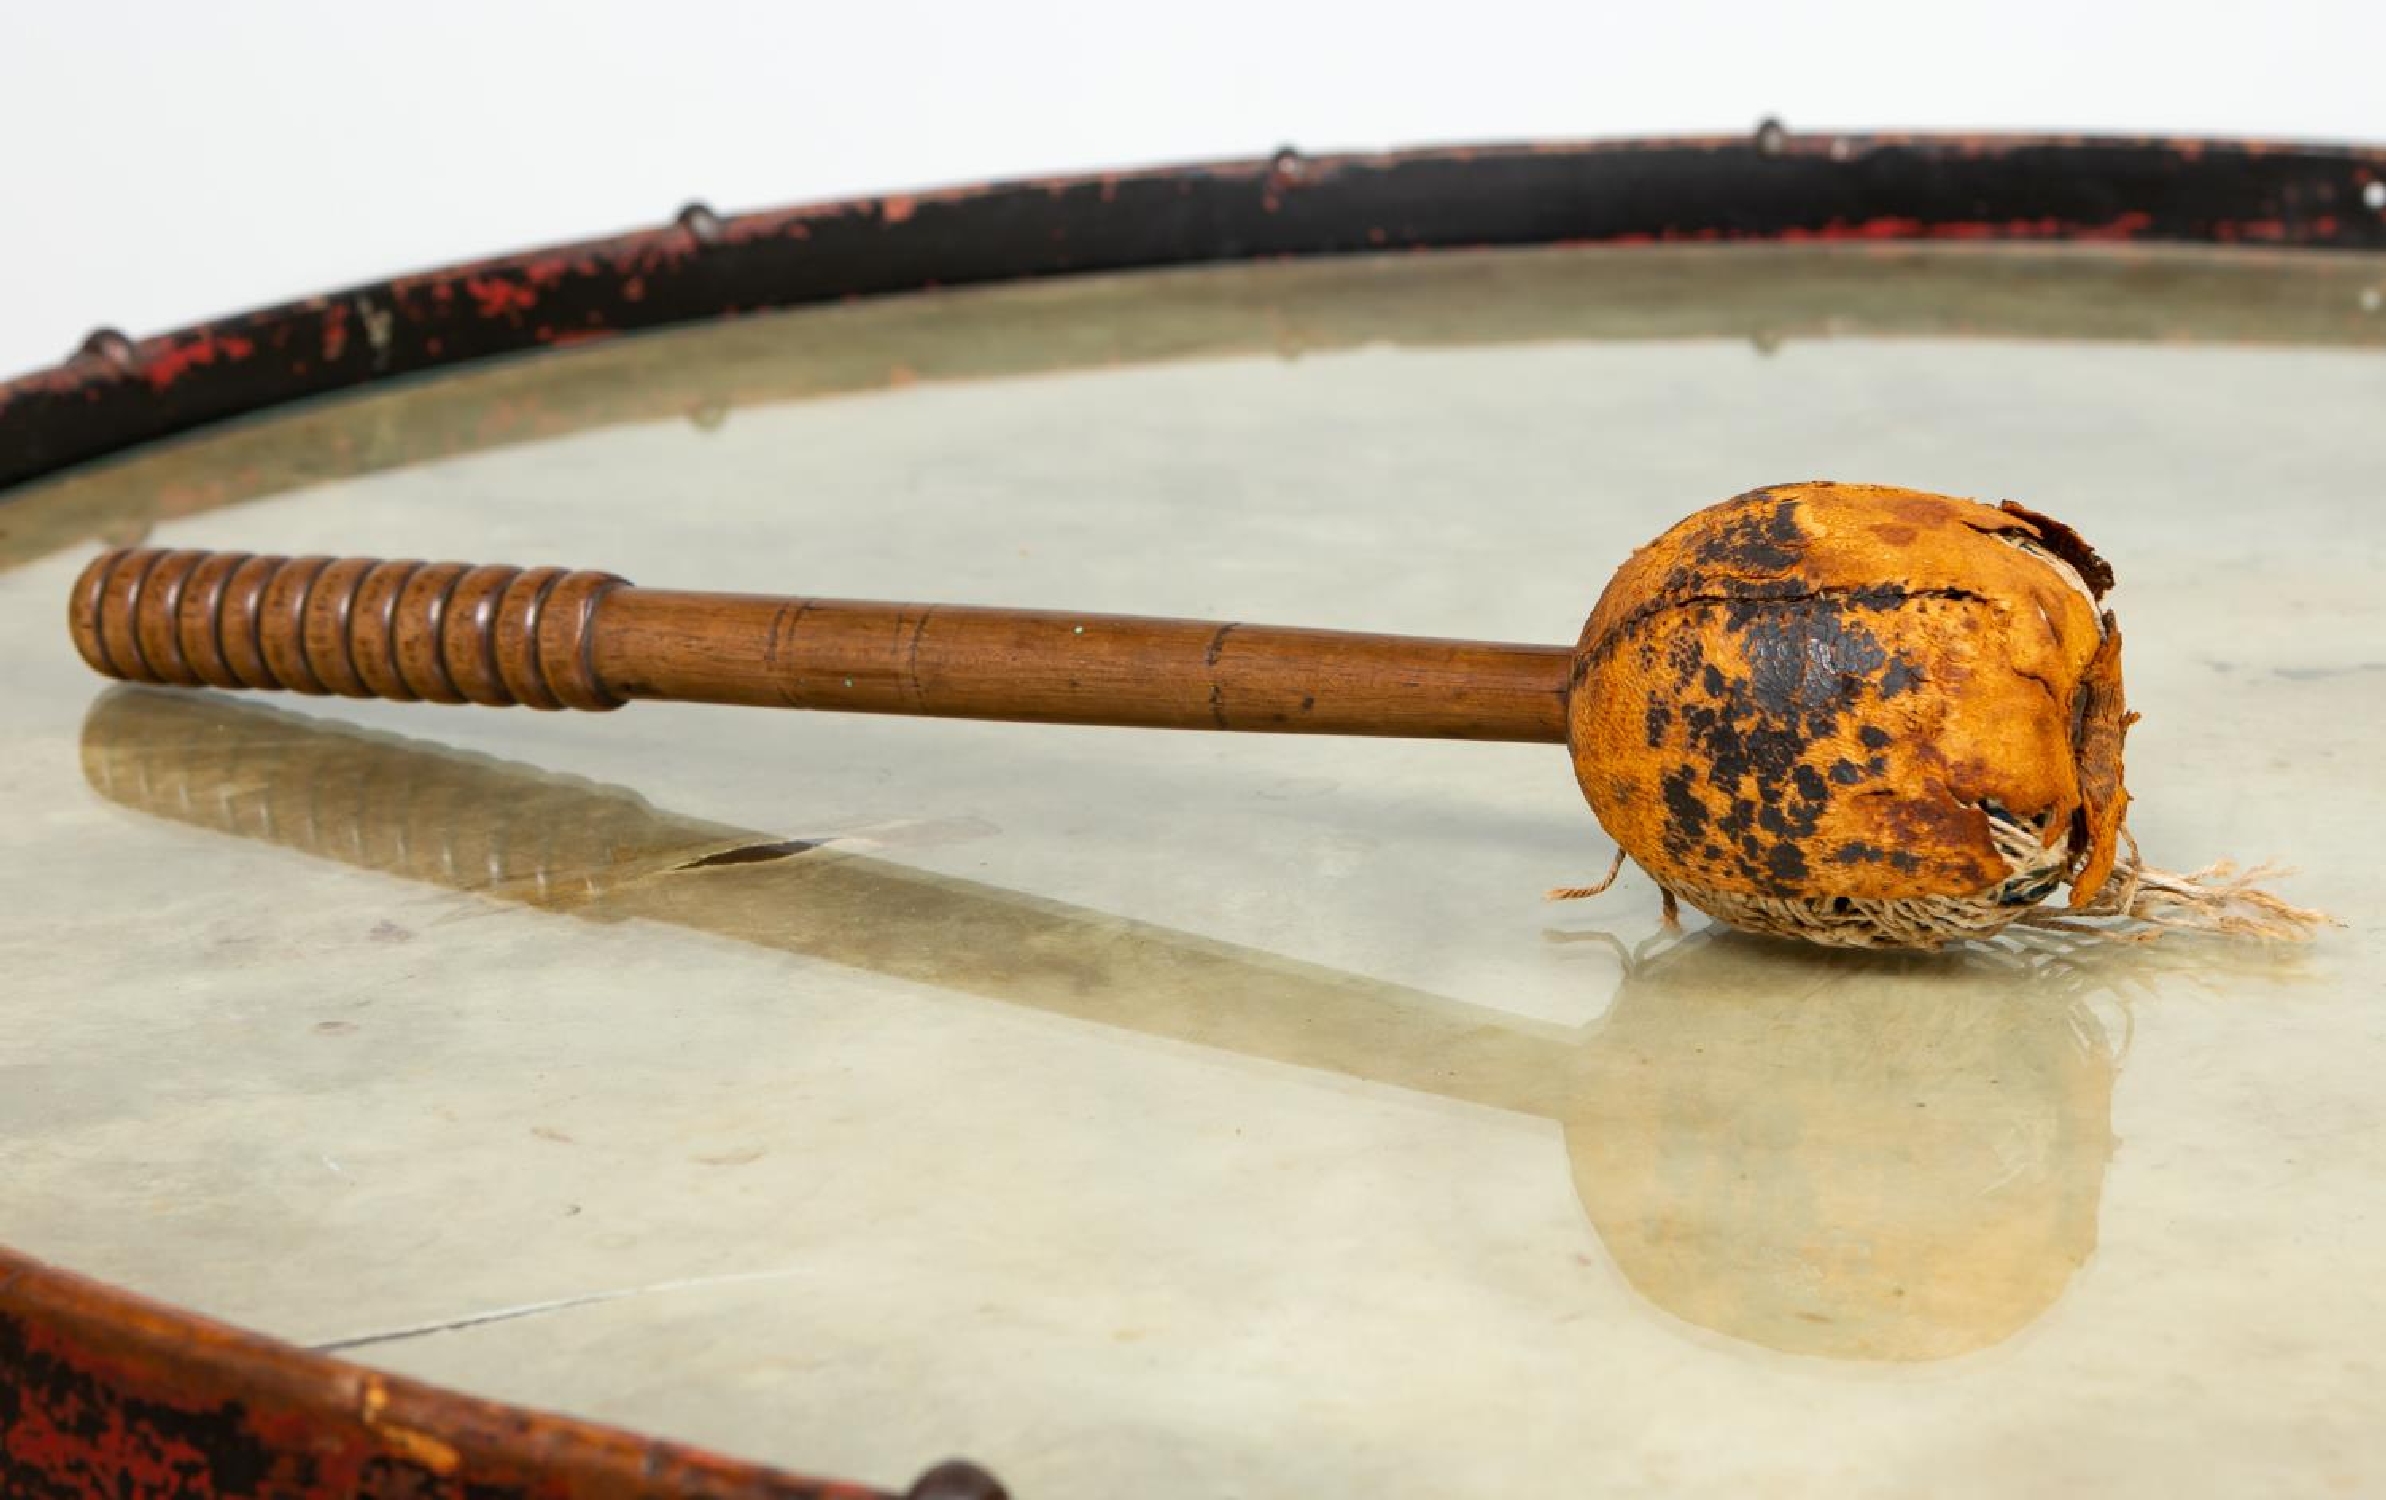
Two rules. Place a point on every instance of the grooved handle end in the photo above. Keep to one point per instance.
(353, 626)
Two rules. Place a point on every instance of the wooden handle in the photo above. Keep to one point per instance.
(547, 638)
(361, 628)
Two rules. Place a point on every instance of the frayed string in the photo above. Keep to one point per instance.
(2147, 903)
(2219, 898)
(1584, 892)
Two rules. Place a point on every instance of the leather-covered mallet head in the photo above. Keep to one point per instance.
(1857, 715)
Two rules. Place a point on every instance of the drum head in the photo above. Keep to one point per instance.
(1152, 1113)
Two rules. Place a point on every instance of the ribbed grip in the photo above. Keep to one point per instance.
(358, 627)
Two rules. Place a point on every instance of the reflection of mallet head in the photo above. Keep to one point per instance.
(1861, 1156)
(1861, 716)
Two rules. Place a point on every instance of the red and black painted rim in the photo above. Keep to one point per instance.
(103, 1392)
(116, 393)
(107, 1394)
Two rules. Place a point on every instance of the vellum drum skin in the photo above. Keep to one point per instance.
(1139, 1112)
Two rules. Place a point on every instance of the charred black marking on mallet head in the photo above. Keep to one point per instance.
(1809, 659)
(1754, 539)
(1686, 816)
(1867, 854)
(1659, 719)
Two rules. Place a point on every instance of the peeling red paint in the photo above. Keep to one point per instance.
(1894, 228)
(335, 330)
(175, 360)
(496, 297)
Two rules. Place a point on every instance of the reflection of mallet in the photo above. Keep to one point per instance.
(1861, 716)
(1861, 1156)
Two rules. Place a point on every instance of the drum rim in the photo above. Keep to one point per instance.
(174, 1381)
(114, 393)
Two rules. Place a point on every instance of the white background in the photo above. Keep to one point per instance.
(165, 162)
